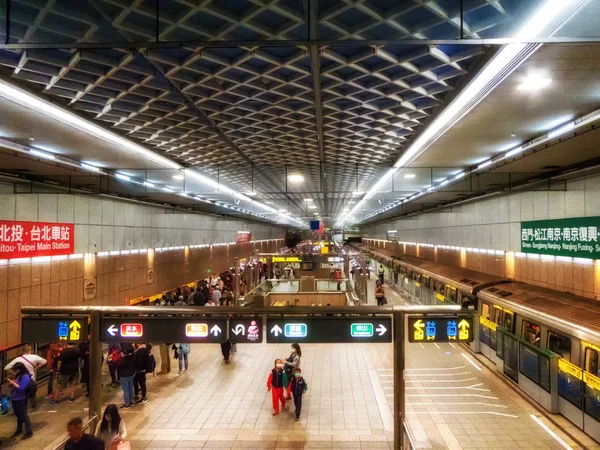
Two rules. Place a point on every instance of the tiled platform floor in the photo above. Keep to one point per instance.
(451, 404)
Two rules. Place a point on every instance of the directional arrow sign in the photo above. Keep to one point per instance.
(164, 329)
(329, 330)
(112, 330)
(45, 329)
(239, 328)
(215, 330)
(431, 329)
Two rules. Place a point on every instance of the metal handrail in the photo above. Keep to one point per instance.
(65, 437)
(224, 310)
(409, 436)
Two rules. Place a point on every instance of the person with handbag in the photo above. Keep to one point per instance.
(126, 370)
(18, 397)
(380, 294)
(112, 429)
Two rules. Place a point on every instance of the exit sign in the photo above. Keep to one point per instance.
(361, 330)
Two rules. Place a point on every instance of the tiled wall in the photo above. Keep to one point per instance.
(487, 233)
(118, 277)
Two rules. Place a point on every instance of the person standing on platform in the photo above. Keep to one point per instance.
(126, 370)
(291, 363)
(68, 372)
(298, 388)
(19, 385)
(182, 351)
(143, 365)
(111, 429)
(380, 294)
(32, 363)
(276, 383)
(199, 298)
(216, 296)
(84, 351)
(114, 355)
(165, 359)
(381, 273)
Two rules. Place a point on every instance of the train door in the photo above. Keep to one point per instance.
(426, 291)
(591, 402)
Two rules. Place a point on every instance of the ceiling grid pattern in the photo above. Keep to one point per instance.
(374, 97)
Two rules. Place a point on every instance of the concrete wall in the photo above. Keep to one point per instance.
(103, 225)
(485, 236)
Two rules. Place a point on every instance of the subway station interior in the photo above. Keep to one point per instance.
(299, 224)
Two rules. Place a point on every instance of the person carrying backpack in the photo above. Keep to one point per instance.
(20, 387)
(182, 351)
(32, 363)
(298, 388)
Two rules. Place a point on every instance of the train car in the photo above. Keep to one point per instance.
(545, 341)
(539, 337)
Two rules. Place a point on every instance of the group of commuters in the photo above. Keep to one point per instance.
(285, 382)
(128, 365)
(213, 291)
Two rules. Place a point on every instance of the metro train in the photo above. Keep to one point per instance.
(545, 341)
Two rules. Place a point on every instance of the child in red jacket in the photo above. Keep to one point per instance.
(276, 383)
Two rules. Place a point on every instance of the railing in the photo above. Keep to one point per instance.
(287, 286)
(64, 438)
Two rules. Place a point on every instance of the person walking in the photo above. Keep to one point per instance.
(32, 363)
(216, 296)
(111, 429)
(226, 350)
(54, 352)
(199, 298)
(180, 301)
(380, 294)
(78, 440)
(143, 365)
(68, 372)
(291, 363)
(298, 387)
(381, 273)
(276, 383)
(84, 351)
(18, 396)
(182, 351)
(126, 370)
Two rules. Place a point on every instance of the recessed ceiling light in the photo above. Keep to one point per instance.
(513, 135)
(122, 177)
(351, 201)
(32, 139)
(308, 199)
(357, 193)
(409, 175)
(534, 83)
(282, 211)
(148, 184)
(346, 209)
(313, 207)
(268, 203)
(296, 178)
(178, 177)
(250, 194)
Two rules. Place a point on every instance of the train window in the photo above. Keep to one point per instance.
(531, 333)
(498, 317)
(434, 286)
(418, 277)
(560, 345)
(426, 281)
(486, 311)
(508, 320)
(451, 294)
(591, 362)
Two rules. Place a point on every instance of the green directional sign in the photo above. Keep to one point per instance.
(576, 237)
(361, 330)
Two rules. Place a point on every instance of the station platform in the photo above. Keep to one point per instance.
(453, 402)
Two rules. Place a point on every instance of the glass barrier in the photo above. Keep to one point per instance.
(511, 357)
(592, 396)
(499, 343)
(331, 285)
(545, 371)
(569, 384)
(529, 363)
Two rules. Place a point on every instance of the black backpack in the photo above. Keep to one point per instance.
(151, 364)
(31, 389)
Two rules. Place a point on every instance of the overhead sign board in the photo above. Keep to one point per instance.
(31, 239)
(182, 329)
(286, 259)
(329, 330)
(392, 235)
(440, 329)
(164, 329)
(335, 258)
(243, 237)
(576, 237)
(43, 329)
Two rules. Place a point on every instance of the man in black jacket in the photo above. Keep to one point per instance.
(199, 298)
(143, 365)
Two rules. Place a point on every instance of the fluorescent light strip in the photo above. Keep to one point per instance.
(90, 167)
(544, 17)
(42, 154)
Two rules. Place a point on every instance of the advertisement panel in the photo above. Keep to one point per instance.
(576, 237)
(243, 237)
(30, 239)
